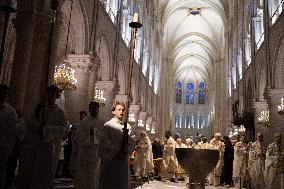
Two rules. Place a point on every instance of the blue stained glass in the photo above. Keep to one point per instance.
(190, 86)
(201, 85)
(178, 92)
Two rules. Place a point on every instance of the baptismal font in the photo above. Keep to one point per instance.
(197, 163)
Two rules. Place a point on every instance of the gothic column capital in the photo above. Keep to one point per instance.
(82, 63)
(108, 86)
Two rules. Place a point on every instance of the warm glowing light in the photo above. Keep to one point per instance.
(140, 123)
(131, 118)
(64, 77)
(264, 118)
(99, 96)
(281, 107)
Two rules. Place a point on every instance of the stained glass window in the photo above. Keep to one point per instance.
(201, 93)
(187, 122)
(178, 92)
(202, 122)
(189, 94)
(192, 121)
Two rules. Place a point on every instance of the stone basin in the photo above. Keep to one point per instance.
(198, 163)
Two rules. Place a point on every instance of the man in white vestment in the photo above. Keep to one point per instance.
(215, 143)
(181, 174)
(188, 142)
(40, 153)
(144, 160)
(203, 144)
(274, 164)
(115, 162)
(8, 119)
(169, 166)
(88, 162)
(240, 163)
(257, 163)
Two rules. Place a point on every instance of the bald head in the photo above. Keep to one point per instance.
(218, 136)
(277, 138)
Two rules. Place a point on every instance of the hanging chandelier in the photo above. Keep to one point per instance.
(99, 96)
(264, 118)
(281, 107)
(64, 77)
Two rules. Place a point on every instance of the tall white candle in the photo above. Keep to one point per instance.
(135, 17)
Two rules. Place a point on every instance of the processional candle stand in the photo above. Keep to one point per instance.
(135, 24)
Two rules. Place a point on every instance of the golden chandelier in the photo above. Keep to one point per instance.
(64, 77)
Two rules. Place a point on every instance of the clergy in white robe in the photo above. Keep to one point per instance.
(203, 144)
(215, 143)
(40, 153)
(240, 163)
(181, 174)
(274, 164)
(7, 132)
(115, 162)
(144, 161)
(169, 166)
(257, 163)
(87, 171)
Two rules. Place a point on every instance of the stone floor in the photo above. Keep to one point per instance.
(170, 185)
(65, 183)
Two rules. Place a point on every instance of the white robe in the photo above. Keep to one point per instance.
(88, 162)
(39, 158)
(169, 166)
(257, 165)
(240, 163)
(144, 162)
(179, 169)
(7, 138)
(115, 163)
(274, 166)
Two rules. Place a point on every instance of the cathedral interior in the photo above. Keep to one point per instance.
(191, 67)
(200, 66)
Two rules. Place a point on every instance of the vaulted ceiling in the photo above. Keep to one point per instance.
(193, 37)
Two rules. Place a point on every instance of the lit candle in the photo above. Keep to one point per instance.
(135, 17)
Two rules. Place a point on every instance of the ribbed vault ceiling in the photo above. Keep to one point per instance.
(193, 42)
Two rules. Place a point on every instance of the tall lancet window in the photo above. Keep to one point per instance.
(192, 121)
(178, 92)
(189, 94)
(201, 93)
(178, 121)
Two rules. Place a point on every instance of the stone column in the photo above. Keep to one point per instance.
(134, 109)
(121, 98)
(257, 108)
(276, 120)
(78, 100)
(142, 116)
(33, 24)
(148, 124)
(110, 89)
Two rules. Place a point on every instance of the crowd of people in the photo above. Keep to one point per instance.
(35, 150)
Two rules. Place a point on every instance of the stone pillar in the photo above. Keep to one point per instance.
(148, 124)
(276, 120)
(110, 89)
(142, 116)
(121, 98)
(31, 54)
(78, 100)
(257, 108)
(135, 109)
